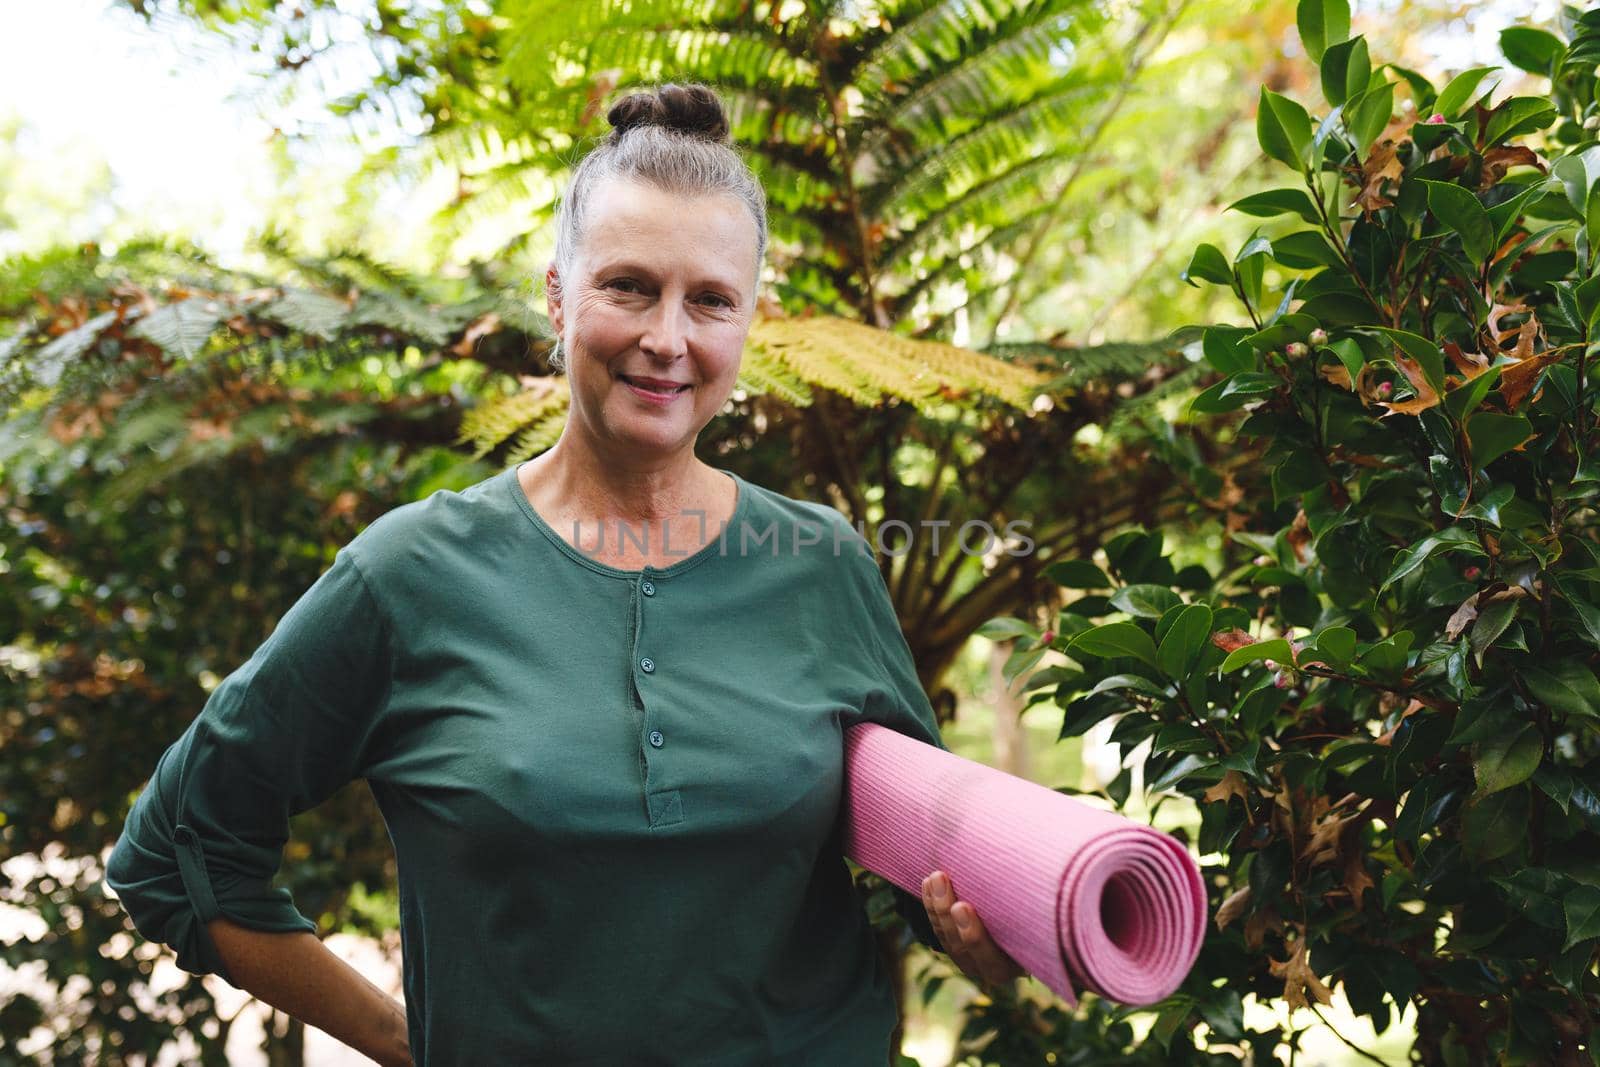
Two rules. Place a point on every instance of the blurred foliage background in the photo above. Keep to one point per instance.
(214, 375)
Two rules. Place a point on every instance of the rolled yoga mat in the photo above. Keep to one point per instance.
(1080, 897)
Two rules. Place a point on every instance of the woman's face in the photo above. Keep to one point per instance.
(661, 293)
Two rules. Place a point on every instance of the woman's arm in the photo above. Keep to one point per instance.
(297, 974)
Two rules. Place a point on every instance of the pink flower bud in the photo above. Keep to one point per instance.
(1049, 635)
(1471, 573)
(1282, 680)
(1269, 664)
(1434, 119)
(1319, 337)
(1262, 561)
(1385, 388)
(1295, 349)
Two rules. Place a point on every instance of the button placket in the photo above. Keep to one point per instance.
(663, 805)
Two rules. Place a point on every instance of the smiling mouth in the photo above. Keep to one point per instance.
(657, 389)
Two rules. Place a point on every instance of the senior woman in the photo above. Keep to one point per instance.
(598, 697)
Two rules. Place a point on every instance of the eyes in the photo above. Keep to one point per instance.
(631, 287)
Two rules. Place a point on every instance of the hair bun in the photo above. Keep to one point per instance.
(690, 110)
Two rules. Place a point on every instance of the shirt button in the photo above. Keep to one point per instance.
(648, 588)
(656, 739)
(647, 665)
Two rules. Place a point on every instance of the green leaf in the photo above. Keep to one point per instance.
(1178, 772)
(1275, 202)
(1078, 574)
(1517, 116)
(1367, 115)
(1322, 24)
(1137, 683)
(1145, 601)
(1427, 354)
(1346, 69)
(1116, 639)
(1225, 351)
(1180, 737)
(1184, 641)
(1492, 435)
(1567, 686)
(1534, 50)
(1306, 250)
(1006, 627)
(1283, 129)
(1209, 265)
(1495, 825)
(1455, 96)
(1349, 354)
(1336, 645)
(1455, 538)
(1458, 209)
(1463, 399)
(1278, 650)
(1587, 613)
(1507, 761)
(1491, 622)
(1582, 906)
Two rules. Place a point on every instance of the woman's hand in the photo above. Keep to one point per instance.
(963, 936)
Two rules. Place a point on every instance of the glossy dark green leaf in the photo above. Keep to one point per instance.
(1462, 212)
(1007, 627)
(1277, 650)
(1492, 435)
(1283, 130)
(1078, 574)
(1457, 93)
(1453, 539)
(1224, 349)
(1136, 683)
(1367, 115)
(1345, 71)
(1208, 264)
(1274, 202)
(1427, 354)
(1508, 760)
(1582, 906)
(1184, 640)
(1534, 50)
(1495, 825)
(1116, 639)
(1322, 23)
(1565, 685)
(1518, 116)
(1144, 600)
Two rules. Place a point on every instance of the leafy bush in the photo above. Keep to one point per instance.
(1387, 710)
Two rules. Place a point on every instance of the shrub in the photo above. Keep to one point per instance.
(1387, 711)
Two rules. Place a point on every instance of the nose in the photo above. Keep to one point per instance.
(666, 331)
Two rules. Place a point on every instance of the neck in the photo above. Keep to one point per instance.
(603, 488)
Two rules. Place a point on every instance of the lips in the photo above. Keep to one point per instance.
(655, 385)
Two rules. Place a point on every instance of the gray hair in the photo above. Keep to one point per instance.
(674, 137)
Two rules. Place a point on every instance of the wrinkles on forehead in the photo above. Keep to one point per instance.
(710, 240)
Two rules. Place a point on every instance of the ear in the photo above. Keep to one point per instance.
(552, 296)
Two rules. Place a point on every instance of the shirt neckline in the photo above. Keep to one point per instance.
(741, 507)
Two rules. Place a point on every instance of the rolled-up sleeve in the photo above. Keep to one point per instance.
(275, 738)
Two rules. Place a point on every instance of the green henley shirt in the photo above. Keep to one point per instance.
(613, 795)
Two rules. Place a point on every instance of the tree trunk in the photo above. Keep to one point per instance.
(1010, 739)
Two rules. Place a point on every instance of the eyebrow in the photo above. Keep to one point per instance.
(631, 267)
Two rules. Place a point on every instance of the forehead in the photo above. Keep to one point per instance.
(642, 224)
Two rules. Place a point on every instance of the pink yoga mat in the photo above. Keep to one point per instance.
(1080, 897)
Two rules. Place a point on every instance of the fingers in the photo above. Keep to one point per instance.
(991, 961)
(963, 935)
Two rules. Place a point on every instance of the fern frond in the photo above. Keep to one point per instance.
(491, 422)
(868, 364)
